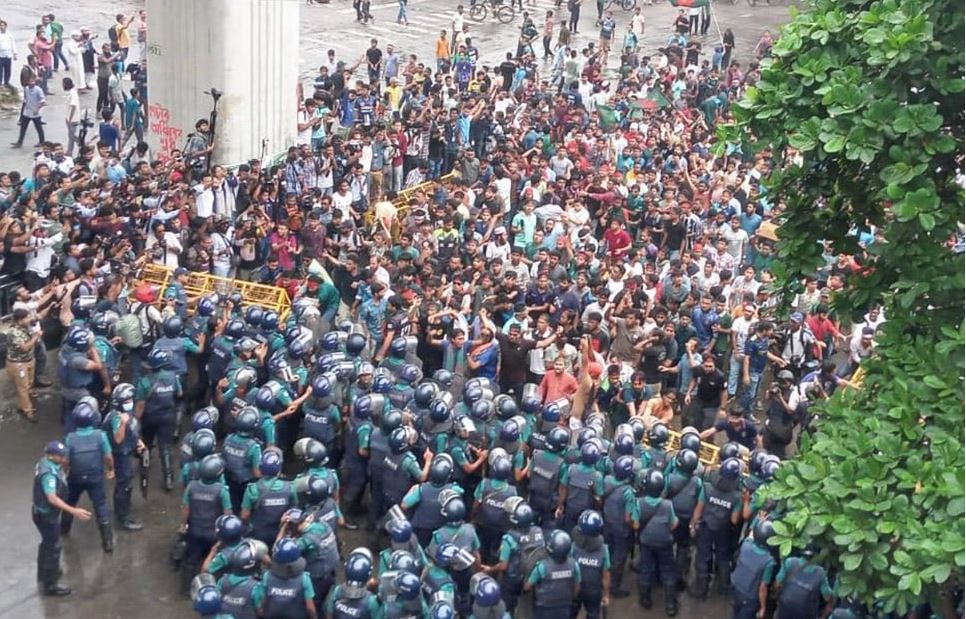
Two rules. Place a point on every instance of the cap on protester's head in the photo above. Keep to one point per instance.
(797, 317)
(868, 332)
(499, 230)
(180, 271)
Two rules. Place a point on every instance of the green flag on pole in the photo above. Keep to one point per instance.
(609, 117)
(655, 99)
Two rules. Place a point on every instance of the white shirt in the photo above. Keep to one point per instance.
(38, 260)
(740, 328)
(73, 106)
(305, 135)
(172, 247)
(8, 47)
(204, 201)
(221, 248)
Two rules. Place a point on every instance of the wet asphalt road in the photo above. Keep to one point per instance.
(134, 581)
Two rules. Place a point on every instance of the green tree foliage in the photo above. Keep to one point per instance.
(868, 96)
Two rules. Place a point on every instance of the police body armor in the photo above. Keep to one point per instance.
(86, 458)
(527, 543)
(161, 398)
(426, 515)
(204, 507)
(318, 423)
(131, 434)
(222, 351)
(462, 537)
(614, 508)
(802, 590)
(544, 479)
(683, 494)
(179, 354)
(399, 397)
(350, 602)
(491, 512)
(237, 461)
(284, 597)
(45, 466)
(718, 506)
(656, 457)
(327, 513)
(323, 559)
(236, 600)
(400, 609)
(656, 532)
(591, 562)
(352, 439)
(378, 450)
(396, 480)
(580, 490)
(268, 510)
(556, 590)
(748, 571)
(69, 376)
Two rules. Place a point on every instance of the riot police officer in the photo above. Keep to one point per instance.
(685, 490)
(555, 579)
(462, 535)
(315, 456)
(714, 520)
(654, 455)
(618, 505)
(545, 471)
(223, 349)
(423, 498)
(240, 594)
(352, 600)
(593, 556)
(102, 324)
(400, 470)
(49, 494)
(156, 397)
(802, 587)
(124, 431)
(401, 539)
(204, 501)
(522, 545)
(179, 347)
(287, 586)
(322, 418)
(77, 365)
(358, 431)
(319, 547)
(242, 454)
(487, 599)
(582, 484)
(228, 531)
(753, 573)
(655, 522)
(267, 499)
(399, 592)
(90, 463)
(490, 496)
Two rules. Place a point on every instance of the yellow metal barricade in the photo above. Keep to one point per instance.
(403, 202)
(709, 451)
(267, 297)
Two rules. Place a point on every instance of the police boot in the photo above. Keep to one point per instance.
(644, 597)
(683, 562)
(49, 582)
(107, 536)
(123, 509)
(167, 471)
(670, 600)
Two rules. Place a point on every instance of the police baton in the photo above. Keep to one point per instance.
(143, 471)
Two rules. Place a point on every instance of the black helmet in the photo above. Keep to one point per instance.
(658, 435)
(319, 489)
(172, 326)
(397, 348)
(391, 420)
(203, 443)
(506, 407)
(558, 545)
(235, 328)
(762, 532)
(522, 515)
(756, 460)
(425, 393)
(690, 439)
(730, 469)
(728, 450)
(637, 427)
(501, 468)
(443, 378)
(311, 451)
(398, 440)
(123, 392)
(441, 469)
(355, 344)
(653, 483)
(770, 467)
(687, 461)
(557, 439)
(247, 420)
(453, 508)
(624, 468)
(211, 468)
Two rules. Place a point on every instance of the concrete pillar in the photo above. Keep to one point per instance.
(248, 50)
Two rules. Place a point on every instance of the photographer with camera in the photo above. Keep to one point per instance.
(782, 406)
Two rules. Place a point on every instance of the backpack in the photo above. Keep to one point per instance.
(135, 328)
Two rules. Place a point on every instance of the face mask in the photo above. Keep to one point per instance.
(127, 407)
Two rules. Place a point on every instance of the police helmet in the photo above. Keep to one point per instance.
(653, 483)
(203, 418)
(245, 376)
(624, 468)
(453, 509)
(590, 453)
(551, 413)
(236, 298)
(101, 323)
(559, 544)
(443, 378)
(591, 523)
(501, 468)
(265, 398)
(445, 553)
(286, 550)
(228, 529)
(203, 443)
(441, 469)
(585, 434)
(531, 404)
(755, 461)
(481, 410)
(243, 560)
(254, 315)
(658, 435)
(686, 461)
(207, 600)
(247, 420)
(400, 530)
(297, 349)
(403, 560)
(399, 440)
(81, 308)
(505, 406)
(79, 339)
(557, 439)
(85, 415)
(691, 442)
(510, 431)
(439, 411)
(358, 566)
(728, 450)
(637, 427)
(407, 585)
(362, 408)
(521, 515)
(245, 345)
(235, 328)
(172, 326)
(271, 463)
(472, 394)
(319, 489)
(159, 358)
(270, 320)
(487, 592)
(762, 532)
(392, 419)
(410, 374)
(623, 444)
(381, 384)
(321, 386)
(442, 609)
(294, 515)
(730, 469)
(366, 368)
(769, 468)
(211, 468)
(331, 341)
(397, 348)
(311, 451)
(424, 394)
(123, 392)
(355, 344)
(205, 307)
(277, 365)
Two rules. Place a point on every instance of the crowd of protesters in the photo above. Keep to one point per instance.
(547, 231)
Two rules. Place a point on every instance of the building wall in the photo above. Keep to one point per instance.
(247, 49)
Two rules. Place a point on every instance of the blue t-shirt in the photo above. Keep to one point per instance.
(757, 350)
(487, 359)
